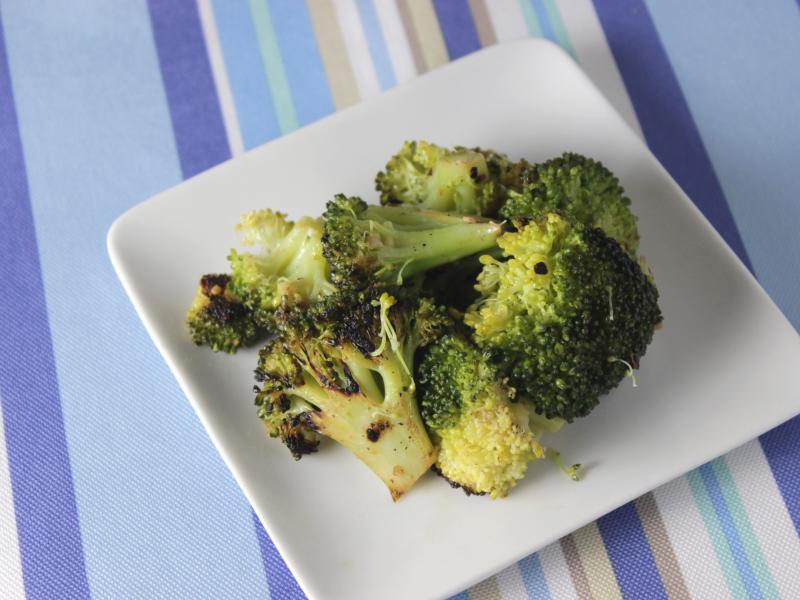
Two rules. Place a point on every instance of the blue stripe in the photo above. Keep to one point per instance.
(544, 20)
(729, 529)
(461, 596)
(533, 576)
(301, 60)
(737, 63)
(189, 85)
(782, 448)
(254, 105)
(662, 111)
(630, 554)
(44, 499)
(376, 43)
(160, 514)
(458, 28)
(283, 585)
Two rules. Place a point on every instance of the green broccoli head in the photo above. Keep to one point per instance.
(461, 180)
(344, 370)
(484, 437)
(286, 268)
(567, 314)
(367, 244)
(580, 187)
(217, 318)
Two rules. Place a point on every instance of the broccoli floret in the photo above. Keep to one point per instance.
(484, 437)
(567, 314)
(367, 244)
(218, 319)
(461, 180)
(344, 370)
(580, 187)
(287, 269)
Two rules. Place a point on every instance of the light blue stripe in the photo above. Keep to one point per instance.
(254, 105)
(729, 529)
(744, 528)
(376, 43)
(737, 63)
(557, 24)
(301, 59)
(533, 576)
(160, 514)
(544, 21)
(715, 534)
(530, 18)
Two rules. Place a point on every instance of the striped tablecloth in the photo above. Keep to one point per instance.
(109, 486)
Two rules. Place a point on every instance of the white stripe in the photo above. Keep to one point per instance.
(693, 549)
(510, 583)
(220, 74)
(357, 48)
(556, 572)
(396, 40)
(767, 512)
(10, 564)
(589, 41)
(507, 20)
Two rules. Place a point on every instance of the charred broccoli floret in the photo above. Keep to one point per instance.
(567, 313)
(367, 244)
(485, 439)
(345, 372)
(580, 187)
(286, 268)
(461, 180)
(217, 318)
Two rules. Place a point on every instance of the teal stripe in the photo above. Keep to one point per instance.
(745, 528)
(273, 66)
(557, 25)
(530, 18)
(715, 533)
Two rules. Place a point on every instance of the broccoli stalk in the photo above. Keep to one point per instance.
(287, 269)
(350, 379)
(566, 313)
(217, 319)
(366, 244)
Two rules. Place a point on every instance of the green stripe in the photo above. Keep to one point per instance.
(530, 18)
(745, 529)
(273, 66)
(554, 16)
(716, 534)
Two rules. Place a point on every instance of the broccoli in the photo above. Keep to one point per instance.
(484, 437)
(344, 370)
(461, 180)
(218, 319)
(367, 244)
(566, 314)
(580, 187)
(288, 268)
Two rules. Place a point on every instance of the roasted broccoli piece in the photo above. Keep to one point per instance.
(367, 244)
(287, 267)
(580, 187)
(217, 318)
(484, 437)
(344, 370)
(567, 313)
(461, 180)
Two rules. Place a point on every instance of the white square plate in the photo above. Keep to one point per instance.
(722, 371)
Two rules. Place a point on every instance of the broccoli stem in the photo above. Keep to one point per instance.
(418, 251)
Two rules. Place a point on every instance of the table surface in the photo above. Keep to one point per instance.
(109, 486)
